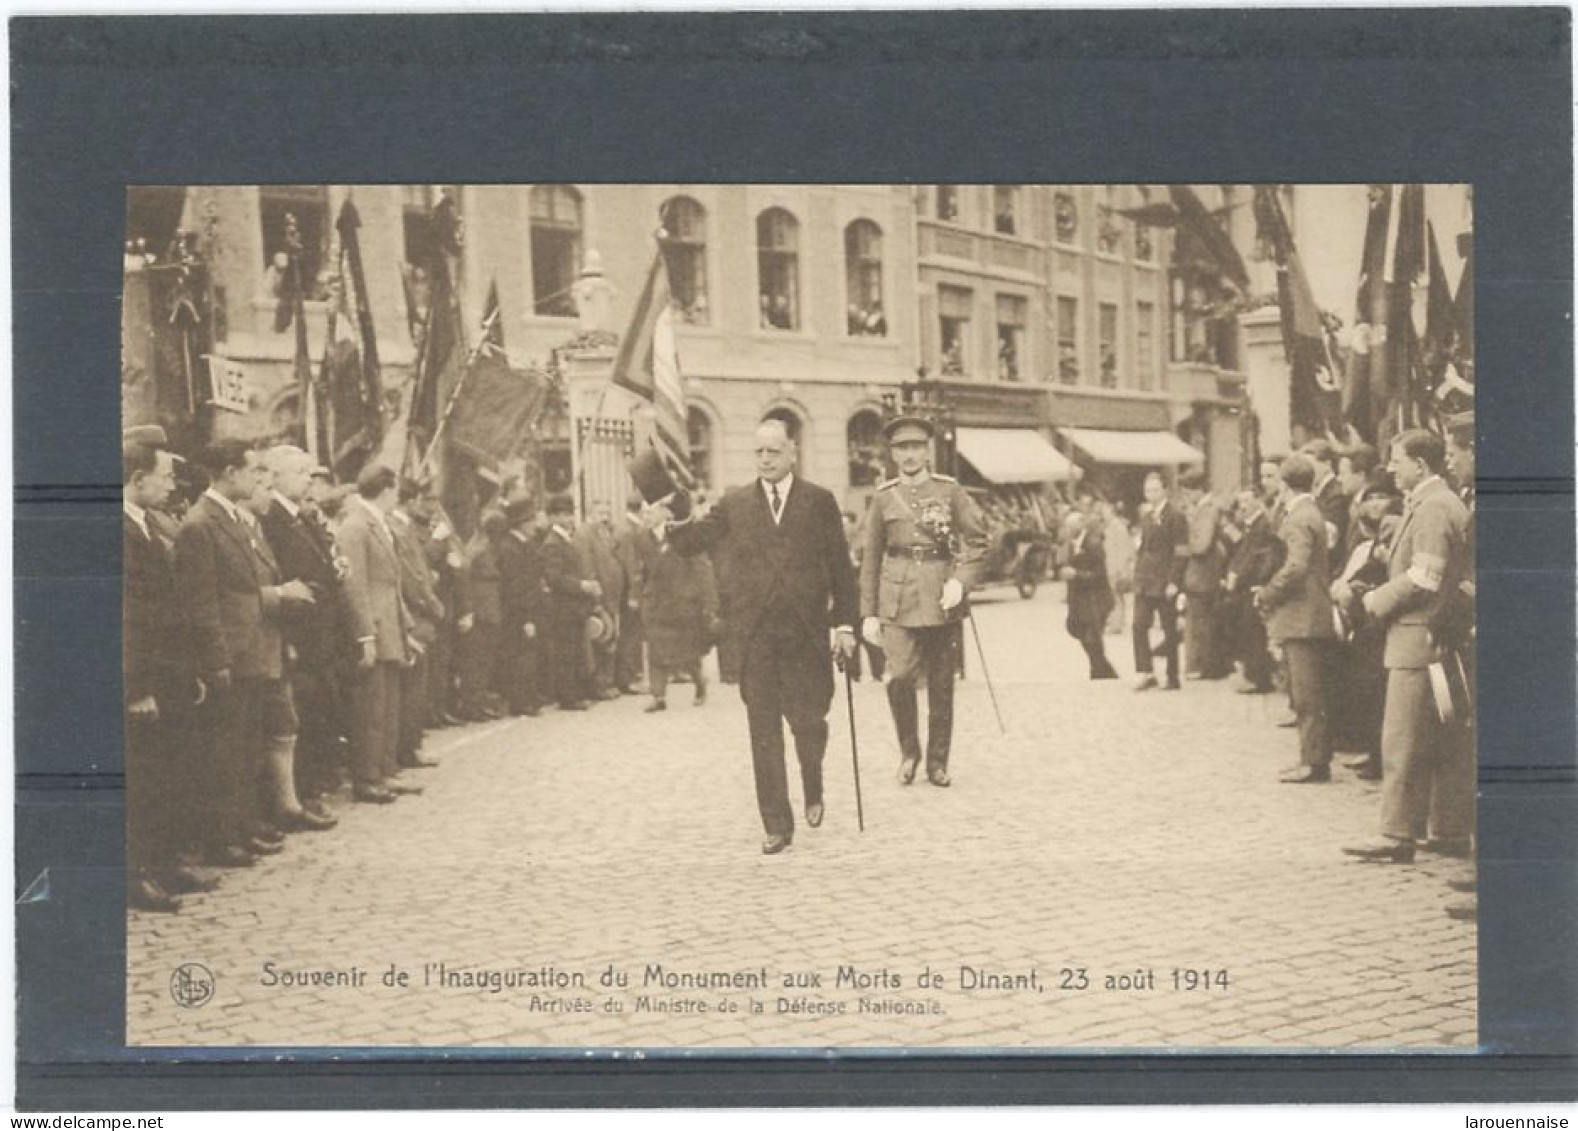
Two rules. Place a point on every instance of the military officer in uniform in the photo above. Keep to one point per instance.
(924, 549)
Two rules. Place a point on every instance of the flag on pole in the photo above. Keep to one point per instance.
(1203, 242)
(648, 366)
(355, 394)
(495, 405)
(442, 356)
(1381, 395)
(1315, 392)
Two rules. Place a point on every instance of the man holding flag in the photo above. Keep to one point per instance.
(784, 568)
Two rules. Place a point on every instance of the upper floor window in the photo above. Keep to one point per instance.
(685, 221)
(953, 324)
(948, 202)
(1109, 235)
(1065, 217)
(778, 269)
(1005, 209)
(864, 438)
(1144, 241)
(863, 279)
(1068, 339)
(153, 215)
(1011, 318)
(299, 214)
(1107, 340)
(555, 249)
(1144, 343)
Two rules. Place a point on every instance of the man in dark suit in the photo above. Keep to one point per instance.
(634, 549)
(1328, 493)
(572, 594)
(594, 542)
(521, 599)
(1296, 603)
(303, 550)
(1256, 556)
(159, 692)
(785, 566)
(408, 523)
(1159, 564)
(233, 601)
(382, 626)
(1090, 598)
(1203, 579)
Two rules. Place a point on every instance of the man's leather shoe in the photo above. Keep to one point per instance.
(261, 847)
(1145, 683)
(1457, 849)
(230, 856)
(401, 788)
(578, 705)
(307, 821)
(813, 814)
(608, 694)
(419, 762)
(318, 807)
(1464, 910)
(773, 845)
(1172, 685)
(654, 707)
(1287, 721)
(144, 893)
(373, 795)
(1305, 775)
(1383, 851)
(180, 881)
(1467, 887)
(269, 833)
(907, 770)
(939, 777)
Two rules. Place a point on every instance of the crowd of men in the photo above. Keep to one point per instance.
(1342, 580)
(288, 643)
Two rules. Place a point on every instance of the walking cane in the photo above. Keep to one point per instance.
(854, 742)
(986, 675)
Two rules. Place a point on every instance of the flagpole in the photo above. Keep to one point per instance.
(454, 397)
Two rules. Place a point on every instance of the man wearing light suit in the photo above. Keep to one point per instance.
(1298, 611)
(382, 627)
(787, 579)
(1423, 754)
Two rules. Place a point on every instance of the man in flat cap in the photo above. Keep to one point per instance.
(924, 549)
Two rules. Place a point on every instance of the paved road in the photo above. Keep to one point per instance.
(1109, 835)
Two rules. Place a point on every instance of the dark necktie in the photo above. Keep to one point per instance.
(777, 501)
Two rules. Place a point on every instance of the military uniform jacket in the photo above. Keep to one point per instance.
(522, 590)
(1429, 561)
(918, 535)
(226, 584)
(1297, 600)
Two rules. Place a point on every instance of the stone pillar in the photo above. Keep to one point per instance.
(1267, 377)
(594, 294)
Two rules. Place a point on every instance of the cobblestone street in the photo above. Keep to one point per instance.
(1107, 835)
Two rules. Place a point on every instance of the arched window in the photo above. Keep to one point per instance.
(863, 280)
(555, 248)
(778, 269)
(864, 438)
(685, 221)
(698, 427)
(1065, 217)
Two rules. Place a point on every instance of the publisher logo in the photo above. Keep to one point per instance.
(192, 985)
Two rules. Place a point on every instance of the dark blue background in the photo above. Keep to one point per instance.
(1234, 96)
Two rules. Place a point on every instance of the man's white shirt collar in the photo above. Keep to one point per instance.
(290, 508)
(224, 504)
(783, 485)
(139, 516)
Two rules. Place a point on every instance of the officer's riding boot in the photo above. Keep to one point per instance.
(906, 720)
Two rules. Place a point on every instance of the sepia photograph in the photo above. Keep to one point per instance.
(695, 617)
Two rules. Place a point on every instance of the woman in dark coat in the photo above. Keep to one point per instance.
(1090, 597)
(679, 607)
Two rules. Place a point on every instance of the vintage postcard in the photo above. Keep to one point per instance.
(800, 616)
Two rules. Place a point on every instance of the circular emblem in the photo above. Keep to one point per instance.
(192, 985)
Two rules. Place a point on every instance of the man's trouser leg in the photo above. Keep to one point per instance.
(1307, 683)
(1145, 608)
(762, 689)
(939, 648)
(902, 649)
(1410, 752)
